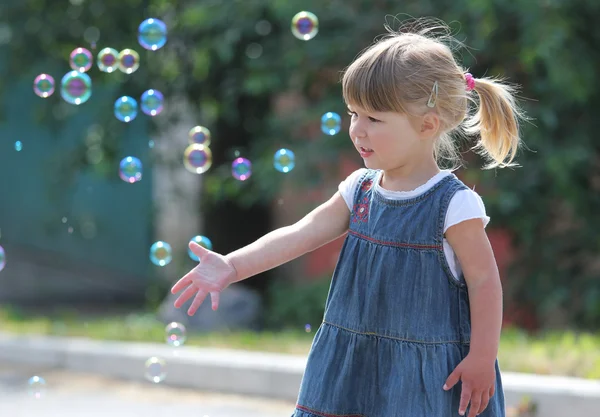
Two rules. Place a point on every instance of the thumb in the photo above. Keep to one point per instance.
(199, 251)
(452, 379)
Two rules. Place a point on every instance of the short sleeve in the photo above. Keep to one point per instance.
(465, 205)
(347, 187)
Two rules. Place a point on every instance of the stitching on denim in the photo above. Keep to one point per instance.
(414, 200)
(323, 414)
(417, 246)
(400, 339)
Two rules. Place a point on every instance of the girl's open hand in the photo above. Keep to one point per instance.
(212, 275)
(478, 378)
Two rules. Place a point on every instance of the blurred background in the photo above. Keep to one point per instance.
(79, 222)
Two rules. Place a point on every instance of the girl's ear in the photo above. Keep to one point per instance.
(430, 125)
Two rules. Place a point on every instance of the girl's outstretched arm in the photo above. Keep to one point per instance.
(322, 225)
(477, 371)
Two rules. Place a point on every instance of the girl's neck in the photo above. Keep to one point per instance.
(408, 178)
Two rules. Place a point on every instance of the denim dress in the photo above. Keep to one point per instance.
(397, 322)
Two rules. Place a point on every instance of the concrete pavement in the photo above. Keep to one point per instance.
(266, 375)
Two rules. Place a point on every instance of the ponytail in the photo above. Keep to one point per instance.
(496, 122)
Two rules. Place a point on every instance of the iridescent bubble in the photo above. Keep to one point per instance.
(284, 160)
(130, 169)
(197, 158)
(160, 253)
(202, 241)
(331, 123)
(2, 258)
(43, 85)
(307, 328)
(241, 169)
(76, 87)
(305, 25)
(129, 61)
(175, 334)
(156, 370)
(108, 60)
(126, 109)
(152, 34)
(36, 386)
(199, 135)
(81, 59)
(152, 102)
(18, 146)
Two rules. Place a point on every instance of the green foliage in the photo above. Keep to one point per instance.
(550, 49)
(296, 305)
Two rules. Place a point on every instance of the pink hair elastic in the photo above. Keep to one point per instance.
(470, 81)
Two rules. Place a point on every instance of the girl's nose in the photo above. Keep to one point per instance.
(356, 131)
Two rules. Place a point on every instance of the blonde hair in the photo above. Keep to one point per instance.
(404, 71)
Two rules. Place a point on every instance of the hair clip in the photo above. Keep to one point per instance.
(433, 96)
(470, 81)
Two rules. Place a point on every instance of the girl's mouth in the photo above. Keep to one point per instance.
(365, 152)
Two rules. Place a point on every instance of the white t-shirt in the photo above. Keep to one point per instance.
(464, 205)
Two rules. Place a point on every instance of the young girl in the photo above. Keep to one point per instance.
(413, 315)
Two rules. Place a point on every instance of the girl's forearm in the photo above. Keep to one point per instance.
(486, 317)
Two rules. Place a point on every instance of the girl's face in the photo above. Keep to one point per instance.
(385, 140)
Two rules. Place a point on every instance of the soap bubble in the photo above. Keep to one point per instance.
(76, 87)
(199, 135)
(305, 25)
(2, 258)
(18, 146)
(284, 160)
(152, 34)
(152, 102)
(161, 253)
(197, 158)
(81, 59)
(36, 386)
(126, 109)
(307, 328)
(331, 123)
(43, 85)
(156, 369)
(175, 334)
(129, 61)
(130, 169)
(202, 241)
(241, 169)
(108, 60)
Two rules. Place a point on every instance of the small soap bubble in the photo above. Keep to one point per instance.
(18, 146)
(130, 169)
(307, 328)
(152, 102)
(43, 85)
(108, 60)
(156, 370)
(81, 59)
(76, 87)
(151, 144)
(331, 123)
(126, 109)
(263, 27)
(64, 219)
(202, 241)
(2, 258)
(160, 253)
(129, 61)
(305, 25)
(152, 34)
(199, 135)
(241, 169)
(197, 158)
(175, 334)
(284, 160)
(36, 386)
(70, 230)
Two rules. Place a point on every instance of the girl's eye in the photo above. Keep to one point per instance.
(354, 114)
(373, 120)
(351, 113)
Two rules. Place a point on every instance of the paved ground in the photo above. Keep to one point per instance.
(73, 395)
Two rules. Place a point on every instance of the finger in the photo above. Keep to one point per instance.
(492, 390)
(199, 251)
(181, 284)
(186, 295)
(452, 379)
(215, 296)
(465, 397)
(197, 302)
(475, 404)
(485, 399)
